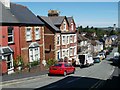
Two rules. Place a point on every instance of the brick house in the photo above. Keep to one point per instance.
(9, 36)
(22, 35)
(50, 34)
(62, 33)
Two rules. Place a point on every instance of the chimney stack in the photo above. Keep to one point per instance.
(6, 3)
(53, 13)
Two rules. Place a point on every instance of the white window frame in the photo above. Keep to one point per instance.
(11, 61)
(29, 34)
(71, 51)
(63, 40)
(75, 51)
(59, 54)
(63, 53)
(33, 53)
(37, 33)
(71, 38)
(68, 40)
(75, 38)
(11, 36)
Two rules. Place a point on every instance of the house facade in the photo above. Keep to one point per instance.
(60, 36)
(9, 36)
(22, 35)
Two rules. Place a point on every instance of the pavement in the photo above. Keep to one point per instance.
(21, 75)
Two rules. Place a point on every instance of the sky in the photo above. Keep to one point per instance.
(97, 14)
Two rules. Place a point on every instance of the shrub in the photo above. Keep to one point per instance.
(50, 62)
(18, 62)
(34, 63)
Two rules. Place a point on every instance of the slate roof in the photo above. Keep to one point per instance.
(49, 22)
(57, 20)
(82, 38)
(24, 15)
(6, 16)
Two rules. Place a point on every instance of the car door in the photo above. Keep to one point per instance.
(67, 68)
(71, 69)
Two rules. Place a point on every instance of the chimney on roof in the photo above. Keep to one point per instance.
(6, 3)
(53, 13)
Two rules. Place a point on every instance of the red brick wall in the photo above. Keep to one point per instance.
(4, 39)
(49, 40)
(25, 44)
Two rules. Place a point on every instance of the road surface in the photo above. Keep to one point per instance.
(89, 77)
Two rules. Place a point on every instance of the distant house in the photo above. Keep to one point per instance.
(107, 41)
(82, 44)
(99, 45)
(22, 35)
(60, 36)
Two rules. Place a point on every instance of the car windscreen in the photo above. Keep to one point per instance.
(58, 65)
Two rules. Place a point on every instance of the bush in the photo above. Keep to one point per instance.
(34, 63)
(50, 62)
(18, 62)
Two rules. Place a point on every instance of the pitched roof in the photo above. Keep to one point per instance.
(93, 42)
(24, 15)
(82, 38)
(49, 22)
(69, 19)
(6, 16)
(57, 20)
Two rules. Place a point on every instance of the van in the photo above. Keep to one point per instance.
(85, 60)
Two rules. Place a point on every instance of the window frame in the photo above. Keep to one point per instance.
(38, 33)
(63, 40)
(34, 53)
(30, 36)
(11, 35)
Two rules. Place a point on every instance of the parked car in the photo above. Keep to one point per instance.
(96, 60)
(101, 55)
(61, 68)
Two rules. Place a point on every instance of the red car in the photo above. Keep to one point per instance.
(61, 68)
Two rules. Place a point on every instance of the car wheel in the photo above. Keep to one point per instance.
(65, 73)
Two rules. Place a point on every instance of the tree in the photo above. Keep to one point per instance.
(112, 32)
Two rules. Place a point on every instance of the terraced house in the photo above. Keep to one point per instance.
(21, 34)
(61, 31)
